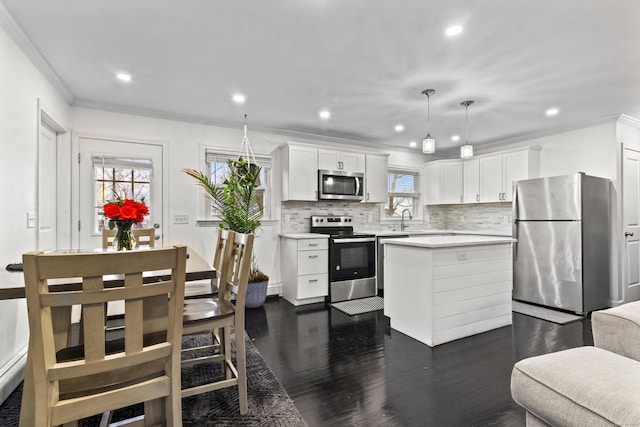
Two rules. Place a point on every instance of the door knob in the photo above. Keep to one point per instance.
(156, 225)
(628, 233)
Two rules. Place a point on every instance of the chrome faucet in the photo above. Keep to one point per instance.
(402, 226)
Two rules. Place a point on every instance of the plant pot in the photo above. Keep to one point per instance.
(256, 294)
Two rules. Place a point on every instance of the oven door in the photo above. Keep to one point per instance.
(352, 258)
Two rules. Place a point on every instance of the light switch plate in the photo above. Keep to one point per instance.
(181, 219)
(31, 219)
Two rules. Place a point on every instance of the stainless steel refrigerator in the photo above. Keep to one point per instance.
(562, 227)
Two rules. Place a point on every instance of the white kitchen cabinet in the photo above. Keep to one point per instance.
(305, 274)
(471, 180)
(375, 178)
(444, 182)
(299, 172)
(341, 160)
(499, 172)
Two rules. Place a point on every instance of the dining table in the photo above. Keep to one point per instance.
(197, 269)
(199, 273)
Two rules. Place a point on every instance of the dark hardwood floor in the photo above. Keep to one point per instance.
(356, 371)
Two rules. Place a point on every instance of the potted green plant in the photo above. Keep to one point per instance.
(259, 282)
(236, 201)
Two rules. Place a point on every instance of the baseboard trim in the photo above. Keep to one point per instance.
(13, 375)
(274, 289)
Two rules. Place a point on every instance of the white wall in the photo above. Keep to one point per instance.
(21, 85)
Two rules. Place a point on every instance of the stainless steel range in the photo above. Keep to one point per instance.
(352, 258)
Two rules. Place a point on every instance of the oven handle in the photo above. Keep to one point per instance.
(354, 240)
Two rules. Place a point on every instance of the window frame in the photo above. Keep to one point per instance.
(417, 211)
(263, 160)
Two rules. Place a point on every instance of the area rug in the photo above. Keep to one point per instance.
(269, 404)
(359, 306)
(543, 313)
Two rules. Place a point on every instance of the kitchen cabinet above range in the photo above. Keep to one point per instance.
(340, 161)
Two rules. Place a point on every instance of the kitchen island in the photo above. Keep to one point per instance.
(442, 288)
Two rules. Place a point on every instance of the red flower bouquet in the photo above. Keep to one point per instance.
(123, 213)
(125, 210)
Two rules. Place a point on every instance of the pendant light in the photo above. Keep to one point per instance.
(428, 143)
(466, 151)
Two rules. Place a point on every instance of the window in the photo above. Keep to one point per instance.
(219, 171)
(124, 178)
(403, 192)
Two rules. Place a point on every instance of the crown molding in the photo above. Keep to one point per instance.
(629, 121)
(25, 44)
(143, 112)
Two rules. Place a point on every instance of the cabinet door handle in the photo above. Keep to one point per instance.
(628, 234)
(461, 199)
(313, 280)
(477, 197)
(313, 244)
(313, 256)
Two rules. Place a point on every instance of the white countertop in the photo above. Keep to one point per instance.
(304, 236)
(414, 232)
(449, 241)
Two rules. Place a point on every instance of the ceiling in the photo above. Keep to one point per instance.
(366, 61)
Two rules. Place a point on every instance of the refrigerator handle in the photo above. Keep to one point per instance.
(514, 226)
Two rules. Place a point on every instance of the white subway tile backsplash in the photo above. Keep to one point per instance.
(295, 216)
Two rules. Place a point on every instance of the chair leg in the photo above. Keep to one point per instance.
(241, 364)
(226, 345)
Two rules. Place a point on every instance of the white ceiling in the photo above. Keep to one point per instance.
(365, 60)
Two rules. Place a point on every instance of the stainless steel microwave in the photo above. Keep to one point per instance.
(340, 185)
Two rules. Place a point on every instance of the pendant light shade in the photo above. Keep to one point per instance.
(466, 151)
(428, 143)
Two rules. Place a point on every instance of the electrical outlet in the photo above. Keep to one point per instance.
(181, 219)
(505, 219)
(461, 217)
(287, 219)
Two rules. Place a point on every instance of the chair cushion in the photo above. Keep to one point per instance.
(204, 309)
(579, 386)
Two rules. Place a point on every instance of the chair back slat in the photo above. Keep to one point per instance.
(143, 236)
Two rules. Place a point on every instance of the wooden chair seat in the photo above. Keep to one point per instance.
(204, 309)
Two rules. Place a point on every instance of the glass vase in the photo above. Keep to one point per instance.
(124, 240)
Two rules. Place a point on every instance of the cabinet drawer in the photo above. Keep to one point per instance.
(312, 244)
(313, 262)
(313, 285)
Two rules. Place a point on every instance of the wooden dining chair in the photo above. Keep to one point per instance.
(64, 384)
(208, 314)
(144, 236)
(202, 288)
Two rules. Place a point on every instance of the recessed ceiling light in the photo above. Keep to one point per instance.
(239, 98)
(124, 77)
(324, 114)
(399, 128)
(552, 112)
(455, 138)
(454, 30)
(413, 144)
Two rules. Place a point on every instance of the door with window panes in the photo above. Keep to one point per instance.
(111, 169)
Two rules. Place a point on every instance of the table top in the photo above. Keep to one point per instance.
(449, 241)
(197, 268)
